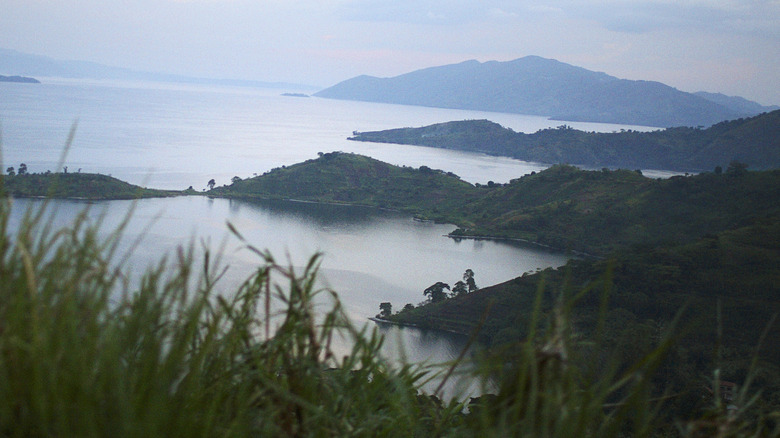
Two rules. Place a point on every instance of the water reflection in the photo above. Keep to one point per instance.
(320, 214)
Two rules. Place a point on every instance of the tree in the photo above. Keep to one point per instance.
(735, 168)
(435, 292)
(11, 171)
(468, 277)
(211, 183)
(22, 169)
(459, 288)
(235, 179)
(385, 310)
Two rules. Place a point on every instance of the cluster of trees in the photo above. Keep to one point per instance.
(436, 293)
(22, 170)
(212, 182)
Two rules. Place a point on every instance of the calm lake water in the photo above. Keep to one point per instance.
(167, 136)
(172, 137)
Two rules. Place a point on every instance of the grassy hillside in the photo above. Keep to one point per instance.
(77, 185)
(755, 141)
(739, 266)
(645, 288)
(358, 180)
(595, 212)
(600, 211)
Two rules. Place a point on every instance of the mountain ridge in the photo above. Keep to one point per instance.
(538, 86)
(18, 63)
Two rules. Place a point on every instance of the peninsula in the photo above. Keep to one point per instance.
(91, 186)
(754, 141)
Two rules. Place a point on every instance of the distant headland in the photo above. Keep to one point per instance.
(19, 79)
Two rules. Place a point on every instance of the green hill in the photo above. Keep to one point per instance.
(755, 141)
(76, 185)
(728, 286)
(600, 211)
(595, 212)
(358, 180)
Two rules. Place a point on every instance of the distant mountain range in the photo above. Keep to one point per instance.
(546, 87)
(18, 63)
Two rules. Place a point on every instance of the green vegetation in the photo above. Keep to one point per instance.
(75, 186)
(598, 212)
(724, 288)
(755, 141)
(706, 243)
(84, 352)
(357, 180)
(637, 344)
(595, 212)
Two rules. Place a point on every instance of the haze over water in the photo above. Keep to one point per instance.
(173, 136)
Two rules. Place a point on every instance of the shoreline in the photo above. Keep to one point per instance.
(414, 326)
(526, 241)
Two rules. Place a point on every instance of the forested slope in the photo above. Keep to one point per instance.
(754, 141)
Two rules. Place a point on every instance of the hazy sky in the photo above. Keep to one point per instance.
(729, 46)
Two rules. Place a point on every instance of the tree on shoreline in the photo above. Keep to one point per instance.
(385, 310)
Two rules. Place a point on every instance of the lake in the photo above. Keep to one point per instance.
(171, 137)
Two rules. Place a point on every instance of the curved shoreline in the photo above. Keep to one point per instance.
(526, 241)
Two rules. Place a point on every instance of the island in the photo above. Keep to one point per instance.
(19, 79)
(544, 87)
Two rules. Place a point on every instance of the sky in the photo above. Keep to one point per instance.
(727, 46)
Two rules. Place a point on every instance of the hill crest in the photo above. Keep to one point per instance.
(537, 86)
